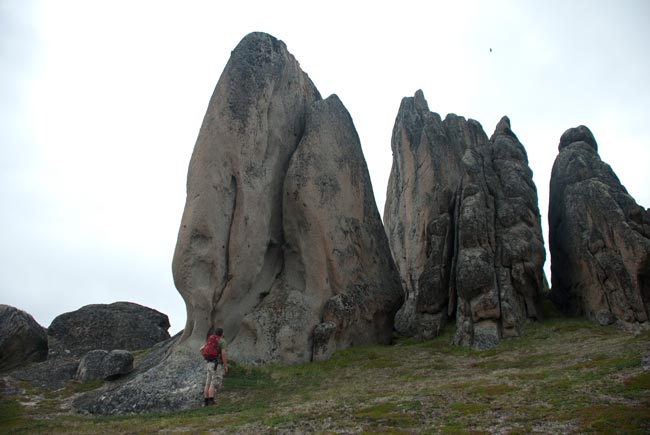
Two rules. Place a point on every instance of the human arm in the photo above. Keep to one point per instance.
(224, 358)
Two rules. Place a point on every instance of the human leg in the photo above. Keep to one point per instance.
(208, 390)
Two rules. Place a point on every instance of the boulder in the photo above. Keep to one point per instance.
(599, 237)
(463, 223)
(50, 374)
(120, 325)
(22, 339)
(102, 364)
(170, 378)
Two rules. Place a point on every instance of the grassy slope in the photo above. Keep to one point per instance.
(564, 376)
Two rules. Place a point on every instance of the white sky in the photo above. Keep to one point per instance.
(101, 103)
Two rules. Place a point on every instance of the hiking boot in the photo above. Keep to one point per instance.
(210, 401)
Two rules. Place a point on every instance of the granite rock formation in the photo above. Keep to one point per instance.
(120, 325)
(279, 241)
(102, 328)
(102, 364)
(463, 222)
(169, 378)
(22, 339)
(599, 237)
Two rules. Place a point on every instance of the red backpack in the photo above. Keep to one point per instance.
(212, 349)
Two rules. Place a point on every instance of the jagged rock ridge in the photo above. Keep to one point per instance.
(599, 237)
(463, 222)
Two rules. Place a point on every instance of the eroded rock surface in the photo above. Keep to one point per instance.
(338, 286)
(100, 328)
(22, 339)
(229, 247)
(120, 325)
(599, 237)
(463, 223)
(102, 364)
(279, 241)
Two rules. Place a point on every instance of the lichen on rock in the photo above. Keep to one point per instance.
(599, 237)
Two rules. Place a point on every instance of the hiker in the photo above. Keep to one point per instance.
(214, 353)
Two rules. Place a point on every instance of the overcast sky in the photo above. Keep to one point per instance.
(101, 104)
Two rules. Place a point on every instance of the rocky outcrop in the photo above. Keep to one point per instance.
(22, 339)
(464, 226)
(599, 237)
(165, 380)
(120, 325)
(280, 242)
(98, 329)
(280, 239)
(102, 364)
(50, 374)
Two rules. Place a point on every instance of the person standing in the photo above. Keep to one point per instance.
(214, 353)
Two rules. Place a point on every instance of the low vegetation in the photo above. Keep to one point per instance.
(565, 376)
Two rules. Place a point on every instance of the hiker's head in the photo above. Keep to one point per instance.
(217, 331)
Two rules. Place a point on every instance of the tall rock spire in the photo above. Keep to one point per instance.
(463, 223)
(281, 242)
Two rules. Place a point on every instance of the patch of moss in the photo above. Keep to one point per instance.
(10, 411)
(601, 361)
(522, 362)
(455, 428)
(614, 419)
(469, 407)
(386, 414)
(139, 355)
(532, 375)
(242, 376)
(384, 431)
(493, 390)
(637, 387)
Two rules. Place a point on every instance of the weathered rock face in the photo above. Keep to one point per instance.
(599, 237)
(102, 364)
(463, 222)
(120, 325)
(22, 339)
(338, 286)
(229, 247)
(50, 374)
(280, 241)
(165, 380)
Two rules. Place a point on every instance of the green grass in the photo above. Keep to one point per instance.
(615, 419)
(11, 413)
(563, 375)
